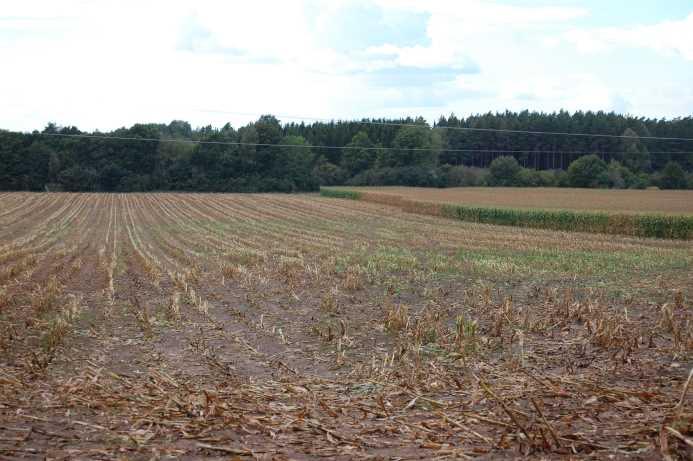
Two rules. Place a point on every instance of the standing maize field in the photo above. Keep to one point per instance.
(302, 327)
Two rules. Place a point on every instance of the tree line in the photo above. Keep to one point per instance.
(268, 156)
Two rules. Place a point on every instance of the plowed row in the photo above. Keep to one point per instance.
(298, 327)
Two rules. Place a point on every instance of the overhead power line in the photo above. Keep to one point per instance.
(462, 128)
(314, 146)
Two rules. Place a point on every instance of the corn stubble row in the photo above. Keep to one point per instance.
(275, 326)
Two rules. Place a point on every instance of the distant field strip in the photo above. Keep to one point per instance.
(668, 226)
(674, 202)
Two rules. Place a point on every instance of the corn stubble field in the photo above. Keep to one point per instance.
(299, 327)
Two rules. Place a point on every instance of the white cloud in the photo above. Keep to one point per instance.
(672, 38)
(419, 56)
(489, 13)
(457, 29)
(100, 64)
(538, 91)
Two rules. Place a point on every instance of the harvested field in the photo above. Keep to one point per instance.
(145, 326)
(611, 200)
(656, 225)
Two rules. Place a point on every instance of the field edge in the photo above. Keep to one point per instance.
(676, 227)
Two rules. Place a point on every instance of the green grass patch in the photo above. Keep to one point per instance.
(609, 267)
(335, 193)
(539, 263)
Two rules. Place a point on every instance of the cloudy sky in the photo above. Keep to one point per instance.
(104, 64)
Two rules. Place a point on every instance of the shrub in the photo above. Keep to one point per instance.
(562, 178)
(401, 176)
(548, 178)
(672, 176)
(526, 178)
(329, 174)
(135, 183)
(639, 181)
(464, 176)
(588, 171)
(77, 178)
(533, 178)
(619, 176)
(504, 171)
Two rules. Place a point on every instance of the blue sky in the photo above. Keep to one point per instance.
(100, 65)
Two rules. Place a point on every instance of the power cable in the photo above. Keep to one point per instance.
(313, 146)
(460, 128)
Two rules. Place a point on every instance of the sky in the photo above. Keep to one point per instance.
(99, 64)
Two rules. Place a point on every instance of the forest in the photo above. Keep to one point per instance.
(270, 156)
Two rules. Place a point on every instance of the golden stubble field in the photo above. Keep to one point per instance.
(611, 200)
(148, 326)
